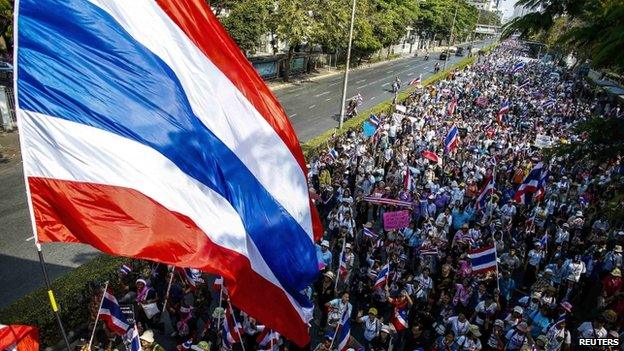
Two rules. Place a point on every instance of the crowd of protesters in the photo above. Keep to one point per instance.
(558, 277)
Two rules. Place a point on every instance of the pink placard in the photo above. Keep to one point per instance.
(396, 219)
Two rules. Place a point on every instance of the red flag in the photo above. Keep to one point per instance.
(19, 338)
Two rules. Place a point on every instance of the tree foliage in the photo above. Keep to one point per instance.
(590, 29)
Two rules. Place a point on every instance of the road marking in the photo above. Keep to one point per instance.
(332, 84)
(361, 86)
(390, 71)
(328, 99)
(293, 115)
(373, 98)
(311, 107)
(297, 95)
(410, 74)
(384, 84)
(360, 81)
(321, 94)
(31, 238)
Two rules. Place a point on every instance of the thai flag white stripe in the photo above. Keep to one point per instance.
(142, 169)
(114, 319)
(482, 253)
(238, 125)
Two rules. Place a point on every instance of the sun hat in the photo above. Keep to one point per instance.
(372, 310)
(330, 275)
(147, 336)
(616, 272)
(566, 306)
(518, 309)
(325, 243)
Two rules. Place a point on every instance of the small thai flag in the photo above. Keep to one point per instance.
(230, 329)
(190, 276)
(416, 81)
(132, 339)
(451, 140)
(125, 269)
(382, 276)
(518, 67)
(399, 319)
(429, 252)
(333, 154)
(486, 192)
(111, 314)
(524, 84)
(407, 179)
(483, 259)
(342, 268)
(374, 120)
(266, 338)
(548, 103)
(503, 110)
(369, 233)
(343, 334)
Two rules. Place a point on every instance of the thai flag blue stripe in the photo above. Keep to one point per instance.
(478, 261)
(71, 62)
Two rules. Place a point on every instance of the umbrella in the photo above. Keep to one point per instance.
(431, 156)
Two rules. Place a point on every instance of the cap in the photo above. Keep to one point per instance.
(518, 309)
(618, 248)
(325, 243)
(499, 323)
(610, 316)
(536, 295)
(348, 246)
(330, 275)
(372, 310)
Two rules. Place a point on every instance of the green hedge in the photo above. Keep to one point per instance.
(72, 296)
(310, 146)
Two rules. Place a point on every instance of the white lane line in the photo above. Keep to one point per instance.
(360, 81)
(311, 107)
(332, 84)
(328, 99)
(362, 86)
(321, 94)
(31, 238)
(297, 95)
(373, 98)
(384, 84)
(390, 71)
(293, 115)
(410, 74)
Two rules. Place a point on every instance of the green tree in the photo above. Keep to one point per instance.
(247, 22)
(293, 25)
(6, 23)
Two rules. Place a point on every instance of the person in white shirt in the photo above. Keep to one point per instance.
(518, 337)
(558, 337)
(425, 284)
(337, 308)
(470, 342)
(563, 235)
(508, 211)
(594, 330)
(458, 324)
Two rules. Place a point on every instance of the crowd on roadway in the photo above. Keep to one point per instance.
(419, 283)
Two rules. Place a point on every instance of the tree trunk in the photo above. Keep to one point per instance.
(291, 50)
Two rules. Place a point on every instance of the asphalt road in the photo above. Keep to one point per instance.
(313, 107)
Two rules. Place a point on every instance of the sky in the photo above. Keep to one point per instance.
(507, 7)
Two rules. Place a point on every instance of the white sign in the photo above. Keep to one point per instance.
(543, 141)
(401, 108)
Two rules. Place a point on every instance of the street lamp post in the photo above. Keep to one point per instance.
(448, 47)
(346, 74)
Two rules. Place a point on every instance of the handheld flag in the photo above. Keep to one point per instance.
(112, 316)
(342, 268)
(483, 259)
(452, 106)
(518, 67)
(451, 140)
(369, 233)
(502, 111)
(190, 276)
(142, 157)
(132, 340)
(486, 192)
(267, 338)
(548, 103)
(533, 183)
(343, 334)
(407, 179)
(374, 120)
(230, 329)
(399, 319)
(19, 338)
(416, 81)
(382, 276)
(125, 269)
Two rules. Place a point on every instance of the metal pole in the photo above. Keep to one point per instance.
(98, 316)
(51, 296)
(346, 74)
(448, 47)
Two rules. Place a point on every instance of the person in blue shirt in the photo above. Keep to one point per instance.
(507, 285)
(324, 255)
(461, 215)
(539, 321)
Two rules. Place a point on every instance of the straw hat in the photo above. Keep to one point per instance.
(147, 336)
(616, 272)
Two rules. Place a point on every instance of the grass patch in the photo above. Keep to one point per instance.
(72, 296)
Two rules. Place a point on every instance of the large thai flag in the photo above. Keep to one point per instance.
(483, 259)
(146, 133)
(18, 338)
(111, 314)
(451, 140)
(533, 183)
(382, 276)
(399, 319)
(343, 334)
(486, 193)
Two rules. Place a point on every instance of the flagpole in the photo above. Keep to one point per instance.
(491, 210)
(168, 290)
(344, 241)
(98, 315)
(220, 304)
(337, 327)
(49, 287)
(236, 326)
